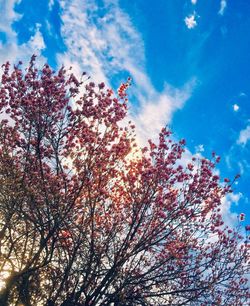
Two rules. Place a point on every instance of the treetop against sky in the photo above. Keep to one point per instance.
(188, 61)
(85, 223)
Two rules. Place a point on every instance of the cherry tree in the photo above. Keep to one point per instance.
(89, 218)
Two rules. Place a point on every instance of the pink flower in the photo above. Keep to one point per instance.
(241, 217)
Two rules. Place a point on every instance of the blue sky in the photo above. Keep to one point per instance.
(189, 61)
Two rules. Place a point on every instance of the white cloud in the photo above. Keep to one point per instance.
(223, 5)
(244, 136)
(190, 21)
(193, 2)
(230, 218)
(108, 45)
(11, 51)
(36, 42)
(242, 94)
(199, 148)
(51, 4)
(95, 44)
(8, 15)
(236, 107)
(157, 110)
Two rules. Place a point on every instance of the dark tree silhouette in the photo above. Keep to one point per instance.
(88, 218)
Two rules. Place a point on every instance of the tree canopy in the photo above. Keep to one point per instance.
(89, 218)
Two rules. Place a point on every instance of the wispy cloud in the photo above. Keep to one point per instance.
(14, 50)
(36, 42)
(223, 5)
(190, 21)
(8, 15)
(104, 42)
(51, 4)
(157, 109)
(242, 94)
(244, 136)
(229, 218)
(199, 148)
